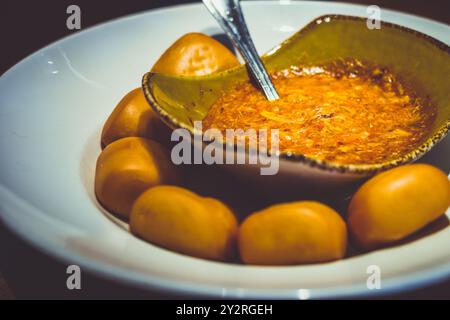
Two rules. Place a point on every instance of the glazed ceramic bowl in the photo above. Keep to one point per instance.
(419, 60)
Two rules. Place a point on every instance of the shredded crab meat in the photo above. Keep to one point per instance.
(347, 112)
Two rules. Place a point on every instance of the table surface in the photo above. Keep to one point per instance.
(26, 273)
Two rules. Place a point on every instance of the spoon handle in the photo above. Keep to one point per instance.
(228, 14)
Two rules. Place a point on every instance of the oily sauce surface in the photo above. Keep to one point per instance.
(345, 112)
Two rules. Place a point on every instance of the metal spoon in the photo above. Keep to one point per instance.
(228, 14)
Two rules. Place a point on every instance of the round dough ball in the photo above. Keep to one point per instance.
(133, 117)
(293, 233)
(128, 167)
(195, 54)
(182, 221)
(396, 203)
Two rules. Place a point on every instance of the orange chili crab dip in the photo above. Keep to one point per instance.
(344, 112)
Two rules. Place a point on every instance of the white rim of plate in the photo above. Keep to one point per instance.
(12, 203)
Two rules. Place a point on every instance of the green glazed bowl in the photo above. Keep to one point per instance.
(421, 61)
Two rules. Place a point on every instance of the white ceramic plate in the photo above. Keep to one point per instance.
(52, 107)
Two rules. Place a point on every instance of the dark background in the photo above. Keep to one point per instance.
(26, 26)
